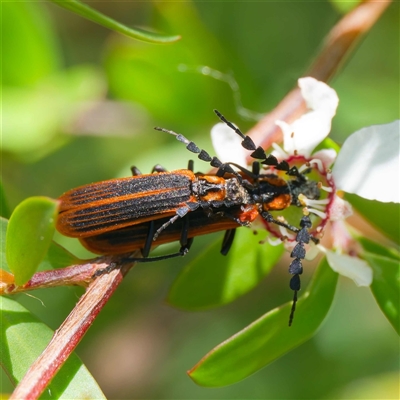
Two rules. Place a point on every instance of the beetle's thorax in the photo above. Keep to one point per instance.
(211, 188)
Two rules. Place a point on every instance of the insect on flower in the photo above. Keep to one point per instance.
(123, 215)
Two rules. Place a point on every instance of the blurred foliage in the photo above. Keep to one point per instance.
(79, 105)
(74, 380)
(92, 14)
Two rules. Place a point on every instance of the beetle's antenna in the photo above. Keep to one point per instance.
(296, 267)
(202, 154)
(258, 153)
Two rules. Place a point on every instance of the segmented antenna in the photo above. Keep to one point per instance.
(202, 154)
(296, 266)
(258, 153)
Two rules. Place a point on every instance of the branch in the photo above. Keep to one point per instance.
(67, 337)
(78, 275)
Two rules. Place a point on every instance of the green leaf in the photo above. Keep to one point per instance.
(384, 216)
(328, 143)
(375, 248)
(212, 280)
(269, 337)
(23, 338)
(30, 230)
(87, 12)
(386, 286)
(56, 257)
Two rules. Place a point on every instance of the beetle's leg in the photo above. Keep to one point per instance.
(269, 218)
(135, 171)
(157, 168)
(185, 243)
(227, 241)
(180, 213)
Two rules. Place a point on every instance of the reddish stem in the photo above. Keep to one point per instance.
(67, 337)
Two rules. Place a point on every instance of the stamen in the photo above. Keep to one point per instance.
(273, 241)
(326, 188)
(317, 212)
(319, 164)
(304, 167)
(319, 204)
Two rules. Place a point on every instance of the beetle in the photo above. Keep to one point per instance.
(127, 214)
(140, 236)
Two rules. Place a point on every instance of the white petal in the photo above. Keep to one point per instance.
(369, 163)
(351, 267)
(318, 95)
(287, 131)
(227, 144)
(304, 134)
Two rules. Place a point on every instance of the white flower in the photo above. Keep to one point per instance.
(367, 165)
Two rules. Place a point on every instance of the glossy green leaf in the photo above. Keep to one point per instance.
(56, 256)
(375, 248)
(213, 280)
(384, 260)
(29, 233)
(269, 337)
(87, 12)
(386, 286)
(23, 338)
(385, 216)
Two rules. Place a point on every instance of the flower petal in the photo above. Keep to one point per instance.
(369, 162)
(351, 267)
(227, 144)
(304, 134)
(318, 95)
(339, 209)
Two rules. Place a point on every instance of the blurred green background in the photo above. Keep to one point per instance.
(79, 105)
